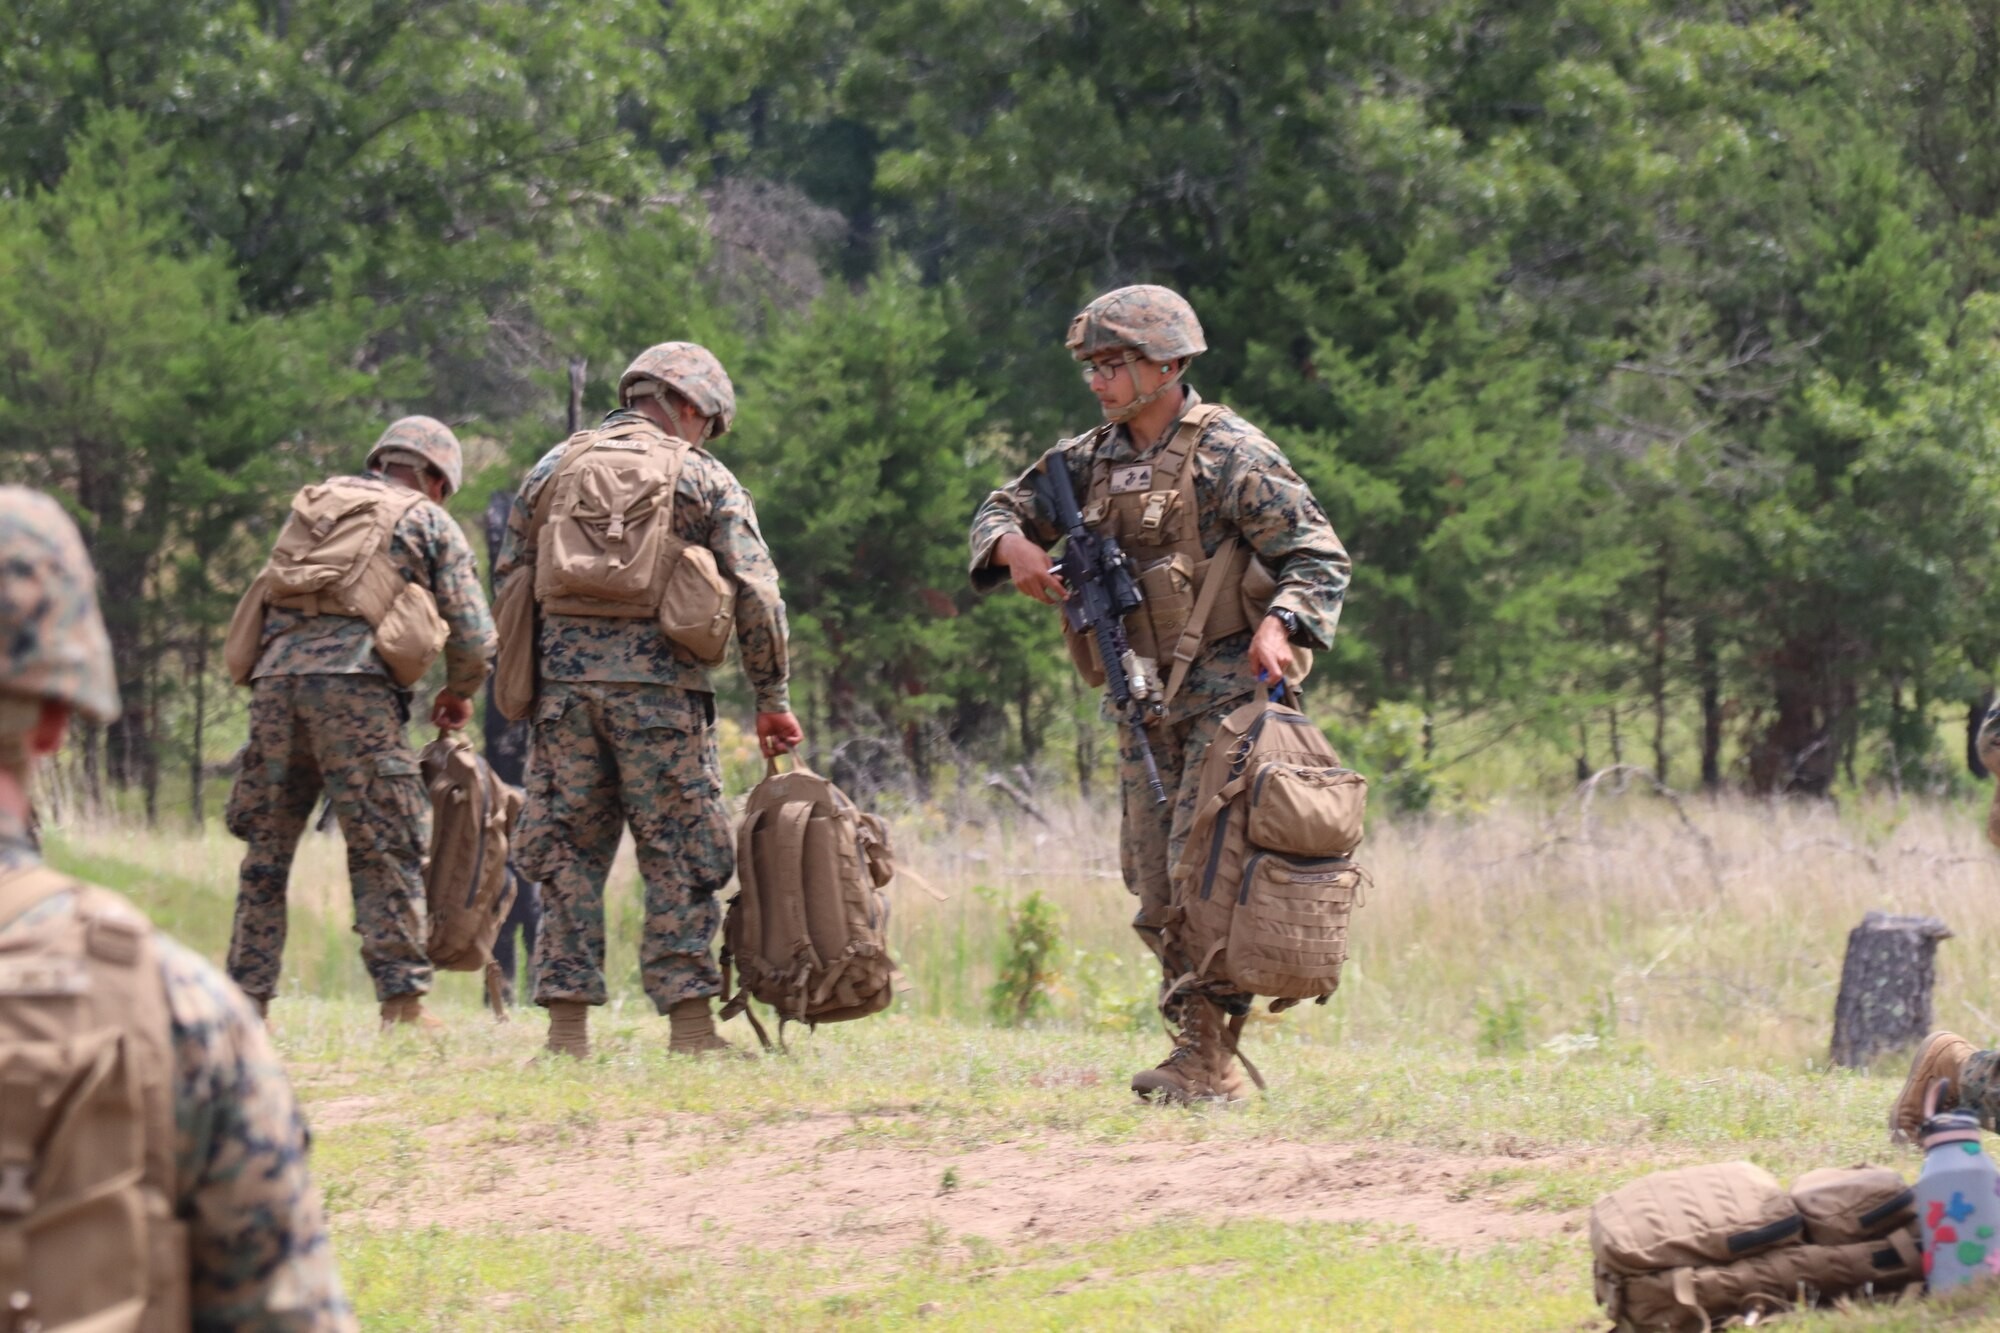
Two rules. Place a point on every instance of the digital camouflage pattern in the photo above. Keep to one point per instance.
(604, 754)
(1244, 487)
(429, 548)
(1977, 1089)
(691, 371)
(258, 1245)
(711, 509)
(55, 647)
(427, 438)
(1156, 322)
(343, 734)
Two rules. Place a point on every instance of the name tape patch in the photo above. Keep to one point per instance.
(43, 976)
(1134, 477)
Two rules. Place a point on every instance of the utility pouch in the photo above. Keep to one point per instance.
(514, 623)
(1303, 810)
(411, 635)
(1168, 588)
(244, 642)
(698, 605)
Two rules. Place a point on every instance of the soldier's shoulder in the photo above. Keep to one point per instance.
(206, 1007)
(709, 474)
(1230, 434)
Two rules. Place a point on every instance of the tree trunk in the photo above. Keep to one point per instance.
(578, 367)
(1031, 739)
(1086, 736)
(197, 794)
(1884, 1003)
(1799, 750)
(1659, 681)
(1708, 672)
(1975, 715)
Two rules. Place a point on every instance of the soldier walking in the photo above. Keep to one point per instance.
(152, 1159)
(624, 715)
(326, 712)
(1172, 479)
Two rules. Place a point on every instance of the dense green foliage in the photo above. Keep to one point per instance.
(1639, 350)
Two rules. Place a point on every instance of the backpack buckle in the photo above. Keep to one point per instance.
(1156, 511)
(616, 529)
(16, 1199)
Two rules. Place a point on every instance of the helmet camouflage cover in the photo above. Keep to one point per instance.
(55, 644)
(691, 371)
(426, 439)
(1157, 322)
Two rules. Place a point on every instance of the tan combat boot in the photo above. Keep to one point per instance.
(1942, 1056)
(1201, 1068)
(692, 1029)
(569, 1028)
(401, 1009)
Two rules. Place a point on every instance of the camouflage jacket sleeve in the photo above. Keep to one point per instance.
(454, 575)
(258, 1242)
(1268, 502)
(1018, 508)
(740, 553)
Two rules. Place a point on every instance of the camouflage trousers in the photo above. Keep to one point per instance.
(605, 756)
(1978, 1088)
(343, 734)
(1151, 836)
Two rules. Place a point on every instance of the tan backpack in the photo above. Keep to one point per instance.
(332, 559)
(466, 885)
(1264, 887)
(88, 1237)
(1678, 1249)
(808, 928)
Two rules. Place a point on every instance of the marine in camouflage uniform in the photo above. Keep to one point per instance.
(326, 715)
(258, 1254)
(1136, 343)
(624, 731)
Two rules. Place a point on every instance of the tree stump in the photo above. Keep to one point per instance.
(1885, 986)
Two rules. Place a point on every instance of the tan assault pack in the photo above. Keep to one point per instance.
(466, 885)
(605, 546)
(332, 559)
(1678, 1250)
(1264, 886)
(1191, 599)
(88, 1237)
(807, 931)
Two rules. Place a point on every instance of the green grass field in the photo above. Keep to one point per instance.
(1542, 1006)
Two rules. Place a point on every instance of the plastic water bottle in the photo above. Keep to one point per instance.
(1958, 1200)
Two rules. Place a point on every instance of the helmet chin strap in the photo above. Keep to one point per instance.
(1142, 401)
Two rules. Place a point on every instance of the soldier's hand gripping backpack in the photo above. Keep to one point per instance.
(807, 931)
(332, 558)
(466, 885)
(1264, 887)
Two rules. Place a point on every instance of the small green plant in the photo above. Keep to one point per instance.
(1027, 972)
(1503, 1025)
(948, 1181)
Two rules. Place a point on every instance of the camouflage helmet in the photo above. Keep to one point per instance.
(54, 642)
(691, 371)
(422, 442)
(1154, 321)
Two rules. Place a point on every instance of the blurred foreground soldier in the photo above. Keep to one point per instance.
(1172, 479)
(152, 1160)
(639, 555)
(370, 579)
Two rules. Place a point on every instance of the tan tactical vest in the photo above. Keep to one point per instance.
(88, 1237)
(332, 559)
(1150, 508)
(605, 544)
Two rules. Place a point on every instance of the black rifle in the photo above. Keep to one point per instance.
(1102, 592)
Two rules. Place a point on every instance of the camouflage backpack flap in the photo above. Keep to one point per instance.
(1265, 887)
(466, 885)
(88, 1238)
(807, 929)
(332, 558)
(606, 545)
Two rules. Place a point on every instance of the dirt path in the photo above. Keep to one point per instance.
(821, 1182)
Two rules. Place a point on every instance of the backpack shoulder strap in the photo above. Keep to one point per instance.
(28, 887)
(1220, 565)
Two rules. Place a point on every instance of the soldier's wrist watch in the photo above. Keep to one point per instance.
(1289, 619)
